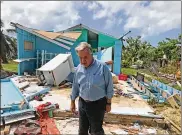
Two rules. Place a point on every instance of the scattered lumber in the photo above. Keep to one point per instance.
(174, 125)
(173, 100)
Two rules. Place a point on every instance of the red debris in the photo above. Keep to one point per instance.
(47, 124)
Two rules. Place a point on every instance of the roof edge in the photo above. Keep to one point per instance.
(88, 28)
(37, 34)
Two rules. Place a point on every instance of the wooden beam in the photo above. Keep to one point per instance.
(176, 126)
(173, 102)
(113, 118)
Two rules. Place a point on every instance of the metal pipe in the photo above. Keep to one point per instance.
(37, 58)
(45, 56)
(42, 57)
(124, 35)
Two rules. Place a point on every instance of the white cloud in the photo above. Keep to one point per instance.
(154, 18)
(112, 21)
(46, 15)
(110, 9)
(109, 23)
(93, 6)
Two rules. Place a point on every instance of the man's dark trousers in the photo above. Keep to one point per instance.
(91, 115)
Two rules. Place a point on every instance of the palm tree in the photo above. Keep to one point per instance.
(8, 46)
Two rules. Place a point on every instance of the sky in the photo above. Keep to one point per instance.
(152, 20)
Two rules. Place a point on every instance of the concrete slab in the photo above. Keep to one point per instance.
(120, 105)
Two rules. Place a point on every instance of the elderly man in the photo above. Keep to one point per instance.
(93, 84)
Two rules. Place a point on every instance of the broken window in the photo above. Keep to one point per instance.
(28, 45)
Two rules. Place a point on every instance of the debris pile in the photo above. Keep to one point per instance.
(51, 109)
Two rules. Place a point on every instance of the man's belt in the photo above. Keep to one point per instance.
(92, 101)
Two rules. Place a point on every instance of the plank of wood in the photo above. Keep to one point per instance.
(61, 118)
(177, 96)
(173, 102)
(176, 126)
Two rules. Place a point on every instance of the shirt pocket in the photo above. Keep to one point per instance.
(83, 88)
(98, 79)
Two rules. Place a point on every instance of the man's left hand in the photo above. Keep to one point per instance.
(108, 108)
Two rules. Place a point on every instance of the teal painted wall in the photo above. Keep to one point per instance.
(82, 38)
(105, 41)
(117, 57)
(93, 43)
(21, 37)
(42, 44)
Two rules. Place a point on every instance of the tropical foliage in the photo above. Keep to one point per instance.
(142, 52)
(8, 45)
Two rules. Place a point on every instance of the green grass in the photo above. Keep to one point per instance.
(147, 72)
(11, 66)
(129, 71)
(177, 87)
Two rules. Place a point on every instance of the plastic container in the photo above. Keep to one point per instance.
(50, 113)
(123, 77)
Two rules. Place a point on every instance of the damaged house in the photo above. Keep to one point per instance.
(37, 47)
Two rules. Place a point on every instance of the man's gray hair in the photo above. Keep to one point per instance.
(82, 46)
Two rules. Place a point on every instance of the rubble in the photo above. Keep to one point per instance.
(52, 107)
(14, 106)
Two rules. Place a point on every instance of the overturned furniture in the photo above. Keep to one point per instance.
(56, 70)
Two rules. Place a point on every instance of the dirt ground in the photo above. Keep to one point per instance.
(135, 102)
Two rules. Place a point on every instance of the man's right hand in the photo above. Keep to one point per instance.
(73, 107)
